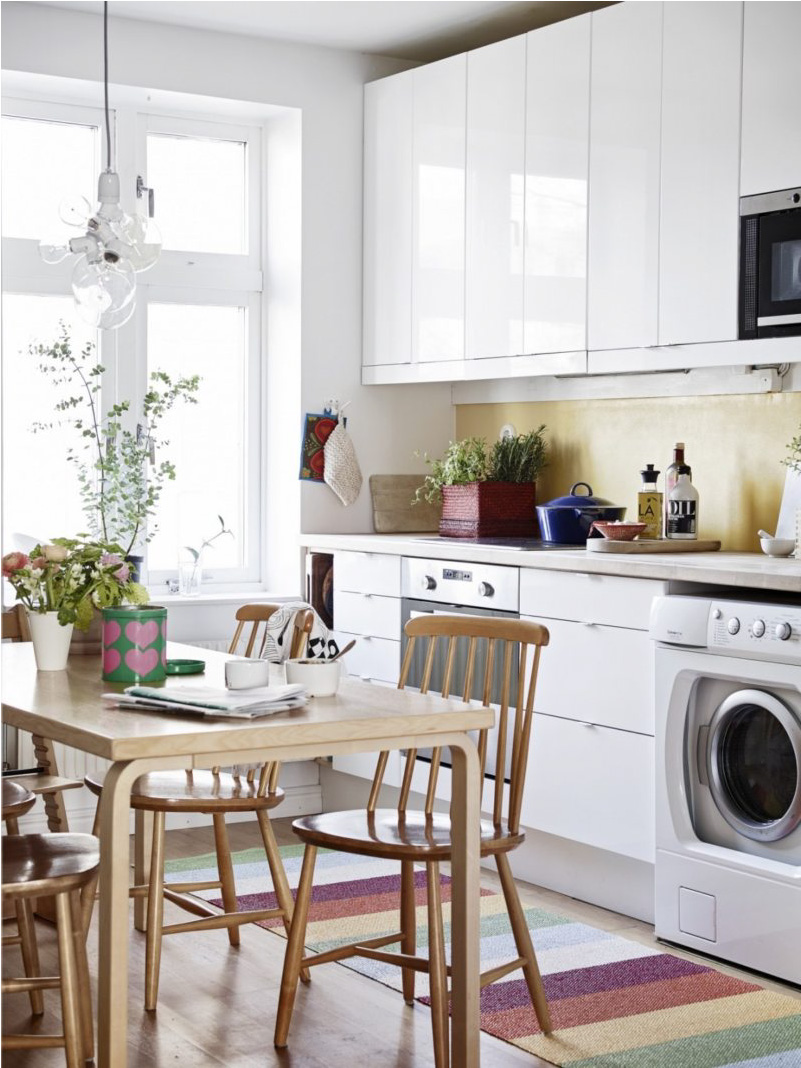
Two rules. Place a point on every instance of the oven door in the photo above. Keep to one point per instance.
(411, 608)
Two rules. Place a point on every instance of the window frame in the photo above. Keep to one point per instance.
(177, 277)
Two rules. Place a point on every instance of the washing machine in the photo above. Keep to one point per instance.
(728, 778)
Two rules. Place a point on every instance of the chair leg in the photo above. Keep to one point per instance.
(29, 949)
(525, 947)
(437, 974)
(408, 918)
(71, 1018)
(226, 869)
(84, 985)
(155, 914)
(280, 881)
(294, 948)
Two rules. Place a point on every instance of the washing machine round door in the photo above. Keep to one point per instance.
(754, 765)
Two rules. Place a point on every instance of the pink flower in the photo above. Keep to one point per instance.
(40, 563)
(12, 562)
(123, 572)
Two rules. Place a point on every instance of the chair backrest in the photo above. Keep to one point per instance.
(15, 625)
(513, 645)
(256, 638)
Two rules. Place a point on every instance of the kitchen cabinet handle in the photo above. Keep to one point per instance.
(588, 623)
(585, 723)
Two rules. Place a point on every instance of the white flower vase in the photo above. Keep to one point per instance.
(51, 640)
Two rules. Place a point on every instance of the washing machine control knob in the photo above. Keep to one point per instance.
(733, 626)
(782, 631)
(758, 628)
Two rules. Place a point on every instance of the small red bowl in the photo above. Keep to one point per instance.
(619, 531)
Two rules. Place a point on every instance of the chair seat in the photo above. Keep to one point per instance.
(400, 836)
(200, 791)
(31, 862)
(16, 799)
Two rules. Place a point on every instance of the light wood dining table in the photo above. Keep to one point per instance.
(66, 706)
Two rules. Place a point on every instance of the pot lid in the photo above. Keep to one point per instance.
(578, 500)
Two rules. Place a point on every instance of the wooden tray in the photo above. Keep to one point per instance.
(662, 545)
(393, 511)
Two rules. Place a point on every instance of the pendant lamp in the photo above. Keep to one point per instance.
(114, 247)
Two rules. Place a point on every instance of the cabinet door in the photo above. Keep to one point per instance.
(496, 87)
(388, 220)
(591, 785)
(438, 206)
(771, 148)
(359, 572)
(557, 160)
(363, 613)
(699, 225)
(625, 90)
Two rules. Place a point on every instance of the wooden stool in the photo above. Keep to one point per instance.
(58, 865)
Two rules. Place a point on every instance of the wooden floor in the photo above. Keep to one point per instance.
(217, 1004)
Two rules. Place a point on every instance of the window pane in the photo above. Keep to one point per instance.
(41, 497)
(200, 189)
(33, 185)
(207, 439)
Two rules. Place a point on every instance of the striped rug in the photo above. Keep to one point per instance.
(615, 1003)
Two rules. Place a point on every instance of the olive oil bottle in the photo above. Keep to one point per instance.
(649, 504)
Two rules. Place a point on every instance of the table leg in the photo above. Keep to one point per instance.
(465, 916)
(112, 1000)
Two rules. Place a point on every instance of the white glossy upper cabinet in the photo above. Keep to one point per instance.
(625, 92)
(557, 159)
(771, 150)
(388, 220)
(496, 92)
(699, 225)
(438, 210)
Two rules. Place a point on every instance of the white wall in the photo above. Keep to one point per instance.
(386, 423)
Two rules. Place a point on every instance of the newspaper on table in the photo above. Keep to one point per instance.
(208, 701)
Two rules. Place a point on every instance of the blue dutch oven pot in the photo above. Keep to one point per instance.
(568, 519)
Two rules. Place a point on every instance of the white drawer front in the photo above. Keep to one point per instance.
(374, 659)
(620, 602)
(597, 675)
(367, 573)
(363, 613)
(591, 785)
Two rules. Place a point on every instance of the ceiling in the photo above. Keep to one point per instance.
(420, 30)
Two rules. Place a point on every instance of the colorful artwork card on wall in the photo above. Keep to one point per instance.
(315, 434)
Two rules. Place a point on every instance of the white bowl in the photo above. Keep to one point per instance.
(777, 546)
(319, 678)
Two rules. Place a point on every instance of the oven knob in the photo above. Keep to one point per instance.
(733, 625)
(782, 631)
(428, 582)
(485, 590)
(758, 628)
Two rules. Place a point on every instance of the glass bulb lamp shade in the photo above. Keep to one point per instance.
(53, 250)
(74, 210)
(104, 291)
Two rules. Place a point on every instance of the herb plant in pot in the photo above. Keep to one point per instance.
(488, 493)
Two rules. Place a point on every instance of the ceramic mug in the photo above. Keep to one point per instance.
(319, 678)
(244, 674)
(135, 643)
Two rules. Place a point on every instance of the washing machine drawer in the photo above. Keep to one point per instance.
(591, 784)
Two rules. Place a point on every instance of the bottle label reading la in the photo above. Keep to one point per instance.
(682, 518)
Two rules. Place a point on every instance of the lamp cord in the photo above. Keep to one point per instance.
(105, 84)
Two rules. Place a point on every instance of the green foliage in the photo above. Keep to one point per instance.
(518, 459)
(119, 475)
(793, 457)
(197, 553)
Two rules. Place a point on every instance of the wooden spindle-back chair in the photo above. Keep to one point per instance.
(63, 866)
(424, 836)
(214, 792)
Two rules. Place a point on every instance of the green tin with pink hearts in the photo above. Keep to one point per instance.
(135, 643)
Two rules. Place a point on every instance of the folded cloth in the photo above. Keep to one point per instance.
(341, 471)
(278, 633)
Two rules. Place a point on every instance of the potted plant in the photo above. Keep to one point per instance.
(487, 492)
(119, 472)
(190, 569)
(61, 585)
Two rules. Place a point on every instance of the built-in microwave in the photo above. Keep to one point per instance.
(770, 264)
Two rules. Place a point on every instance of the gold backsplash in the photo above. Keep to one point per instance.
(734, 445)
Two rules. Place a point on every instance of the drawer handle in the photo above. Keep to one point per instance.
(584, 723)
(588, 623)
(366, 678)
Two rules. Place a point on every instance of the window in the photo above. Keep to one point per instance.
(198, 312)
